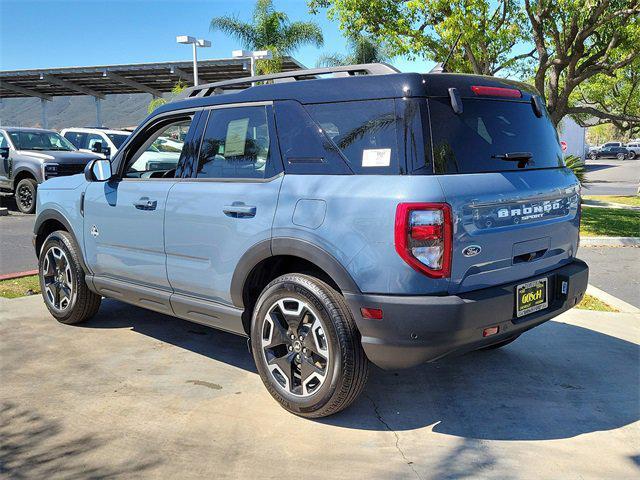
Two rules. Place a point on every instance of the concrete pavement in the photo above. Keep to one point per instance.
(136, 394)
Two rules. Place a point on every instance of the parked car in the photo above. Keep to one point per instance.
(350, 234)
(29, 156)
(634, 149)
(102, 141)
(610, 151)
(106, 143)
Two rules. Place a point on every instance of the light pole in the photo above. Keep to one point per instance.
(186, 39)
(253, 56)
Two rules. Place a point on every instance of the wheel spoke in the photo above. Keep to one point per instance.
(277, 334)
(285, 365)
(292, 312)
(315, 340)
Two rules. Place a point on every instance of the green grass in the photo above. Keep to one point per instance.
(19, 287)
(631, 200)
(590, 302)
(609, 222)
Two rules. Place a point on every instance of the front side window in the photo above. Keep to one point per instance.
(117, 138)
(151, 161)
(236, 144)
(92, 139)
(76, 138)
(364, 131)
(3, 141)
(35, 140)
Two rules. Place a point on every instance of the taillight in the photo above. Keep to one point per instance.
(423, 237)
(496, 92)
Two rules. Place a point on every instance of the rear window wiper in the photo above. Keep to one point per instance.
(521, 157)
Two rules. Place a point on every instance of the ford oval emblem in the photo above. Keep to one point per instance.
(472, 250)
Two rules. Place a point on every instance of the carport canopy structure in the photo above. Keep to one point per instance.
(98, 81)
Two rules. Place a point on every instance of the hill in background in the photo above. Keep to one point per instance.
(118, 111)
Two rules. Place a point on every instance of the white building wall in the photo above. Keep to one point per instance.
(572, 133)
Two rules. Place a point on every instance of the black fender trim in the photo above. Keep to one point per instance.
(292, 247)
(50, 214)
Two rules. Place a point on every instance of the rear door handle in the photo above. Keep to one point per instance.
(144, 203)
(239, 210)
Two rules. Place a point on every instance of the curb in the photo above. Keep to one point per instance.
(610, 241)
(612, 301)
(619, 206)
(14, 275)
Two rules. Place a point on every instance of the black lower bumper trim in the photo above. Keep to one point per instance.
(418, 329)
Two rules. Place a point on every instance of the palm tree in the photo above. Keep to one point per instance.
(362, 49)
(269, 30)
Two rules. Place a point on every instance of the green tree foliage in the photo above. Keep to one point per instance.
(269, 30)
(158, 102)
(362, 49)
(578, 53)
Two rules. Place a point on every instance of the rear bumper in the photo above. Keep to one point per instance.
(418, 329)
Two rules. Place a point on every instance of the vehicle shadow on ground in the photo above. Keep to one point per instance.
(36, 447)
(556, 381)
(225, 347)
(591, 167)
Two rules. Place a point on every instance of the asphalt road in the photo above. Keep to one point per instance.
(135, 394)
(16, 250)
(612, 177)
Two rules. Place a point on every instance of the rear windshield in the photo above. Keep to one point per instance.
(474, 140)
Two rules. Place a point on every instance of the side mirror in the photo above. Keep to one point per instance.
(98, 170)
(4, 152)
(97, 147)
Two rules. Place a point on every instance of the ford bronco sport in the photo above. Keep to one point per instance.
(374, 216)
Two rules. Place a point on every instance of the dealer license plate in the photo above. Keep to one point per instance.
(532, 297)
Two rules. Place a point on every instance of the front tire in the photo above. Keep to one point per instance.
(632, 155)
(26, 195)
(62, 280)
(593, 156)
(307, 347)
(620, 156)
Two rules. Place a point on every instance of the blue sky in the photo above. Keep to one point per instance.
(53, 33)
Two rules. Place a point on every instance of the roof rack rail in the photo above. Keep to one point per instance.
(215, 88)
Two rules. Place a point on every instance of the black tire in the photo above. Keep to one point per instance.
(632, 155)
(346, 367)
(501, 344)
(25, 195)
(593, 156)
(60, 250)
(620, 156)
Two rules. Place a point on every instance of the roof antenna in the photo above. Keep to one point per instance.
(440, 67)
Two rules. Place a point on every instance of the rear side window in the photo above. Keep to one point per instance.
(364, 131)
(473, 141)
(236, 144)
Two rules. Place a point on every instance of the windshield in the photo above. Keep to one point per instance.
(117, 138)
(491, 136)
(40, 141)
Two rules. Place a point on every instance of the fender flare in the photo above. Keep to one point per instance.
(292, 247)
(19, 170)
(50, 214)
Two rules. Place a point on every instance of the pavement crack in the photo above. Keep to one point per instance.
(397, 445)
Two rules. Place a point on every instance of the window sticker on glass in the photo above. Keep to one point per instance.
(236, 138)
(376, 157)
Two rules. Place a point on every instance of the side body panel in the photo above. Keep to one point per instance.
(352, 218)
(203, 243)
(124, 241)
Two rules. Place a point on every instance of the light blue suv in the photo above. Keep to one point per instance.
(374, 216)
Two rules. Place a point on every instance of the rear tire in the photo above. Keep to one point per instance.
(632, 155)
(620, 156)
(62, 280)
(26, 195)
(307, 347)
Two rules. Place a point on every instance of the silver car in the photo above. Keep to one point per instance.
(29, 156)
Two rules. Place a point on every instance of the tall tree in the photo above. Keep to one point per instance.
(566, 47)
(362, 49)
(269, 30)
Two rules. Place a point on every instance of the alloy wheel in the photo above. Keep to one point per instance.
(58, 278)
(25, 197)
(295, 347)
